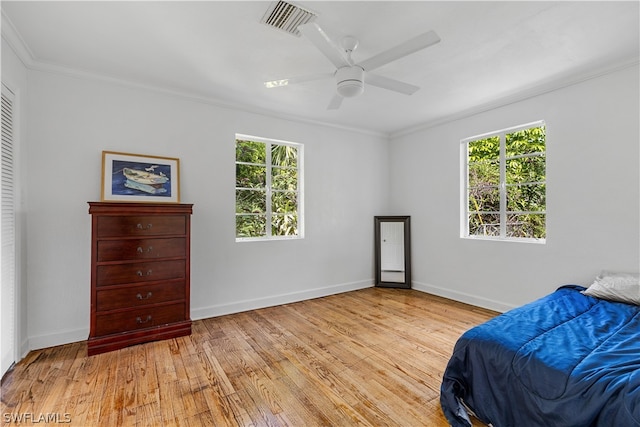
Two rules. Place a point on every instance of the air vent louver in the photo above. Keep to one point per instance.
(287, 17)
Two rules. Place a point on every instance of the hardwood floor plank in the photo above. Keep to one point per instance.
(373, 357)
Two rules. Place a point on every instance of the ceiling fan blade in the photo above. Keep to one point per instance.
(335, 102)
(296, 80)
(410, 46)
(390, 84)
(322, 41)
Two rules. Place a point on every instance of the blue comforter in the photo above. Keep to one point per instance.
(564, 360)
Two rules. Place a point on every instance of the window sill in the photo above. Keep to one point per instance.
(267, 239)
(506, 239)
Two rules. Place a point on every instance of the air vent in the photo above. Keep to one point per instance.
(287, 17)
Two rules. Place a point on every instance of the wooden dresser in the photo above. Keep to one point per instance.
(140, 265)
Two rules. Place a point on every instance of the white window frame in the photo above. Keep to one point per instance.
(464, 191)
(269, 191)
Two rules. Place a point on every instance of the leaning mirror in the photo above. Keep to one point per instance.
(393, 251)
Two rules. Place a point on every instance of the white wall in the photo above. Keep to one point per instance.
(350, 177)
(71, 120)
(592, 196)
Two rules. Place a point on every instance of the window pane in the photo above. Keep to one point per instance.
(267, 211)
(284, 201)
(485, 199)
(251, 225)
(527, 225)
(484, 224)
(284, 155)
(526, 169)
(284, 224)
(526, 141)
(521, 158)
(284, 179)
(484, 173)
(526, 197)
(251, 152)
(249, 176)
(484, 149)
(251, 201)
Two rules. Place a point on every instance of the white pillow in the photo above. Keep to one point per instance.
(612, 286)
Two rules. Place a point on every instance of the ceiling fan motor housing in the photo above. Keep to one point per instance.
(350, 81)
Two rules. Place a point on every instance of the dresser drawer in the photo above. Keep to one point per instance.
(120, 250)
(143, 225)
(138, 318)
(134, 272)
(134, 296)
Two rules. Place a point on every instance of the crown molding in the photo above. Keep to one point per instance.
(15, 41)
(533, 91)
(26, 56)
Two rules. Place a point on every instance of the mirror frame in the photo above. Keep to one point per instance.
(406, 220)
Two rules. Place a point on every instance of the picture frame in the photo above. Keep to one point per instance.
(139, 178)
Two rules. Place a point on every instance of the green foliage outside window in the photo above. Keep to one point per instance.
(267, 190)
(519, 175)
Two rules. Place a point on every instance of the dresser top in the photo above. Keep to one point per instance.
(123, 208)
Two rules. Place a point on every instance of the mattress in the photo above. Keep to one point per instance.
(566, 359)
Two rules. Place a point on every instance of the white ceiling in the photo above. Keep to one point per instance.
(491, 53)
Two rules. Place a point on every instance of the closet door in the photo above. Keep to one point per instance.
(7, 229)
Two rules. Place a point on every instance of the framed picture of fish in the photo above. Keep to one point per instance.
(139, 178)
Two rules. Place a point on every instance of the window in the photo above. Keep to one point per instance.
(505, 185)
(269, 190)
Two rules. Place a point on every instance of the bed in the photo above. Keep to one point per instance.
(571, 358)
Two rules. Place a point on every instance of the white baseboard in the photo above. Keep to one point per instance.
(56, 338)
(24, 348)
(253, 304)
(463, 297)
(69, 336)
(65, 337)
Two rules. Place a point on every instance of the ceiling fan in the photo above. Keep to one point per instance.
(350, 77)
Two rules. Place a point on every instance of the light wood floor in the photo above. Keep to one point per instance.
(373, 357)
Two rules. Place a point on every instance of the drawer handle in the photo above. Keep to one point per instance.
(140, 273)
(141, 250)
(142, 227)
(140, 297)
(140, 321)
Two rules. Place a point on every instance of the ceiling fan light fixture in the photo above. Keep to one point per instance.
(349, 81)
(350, 75)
